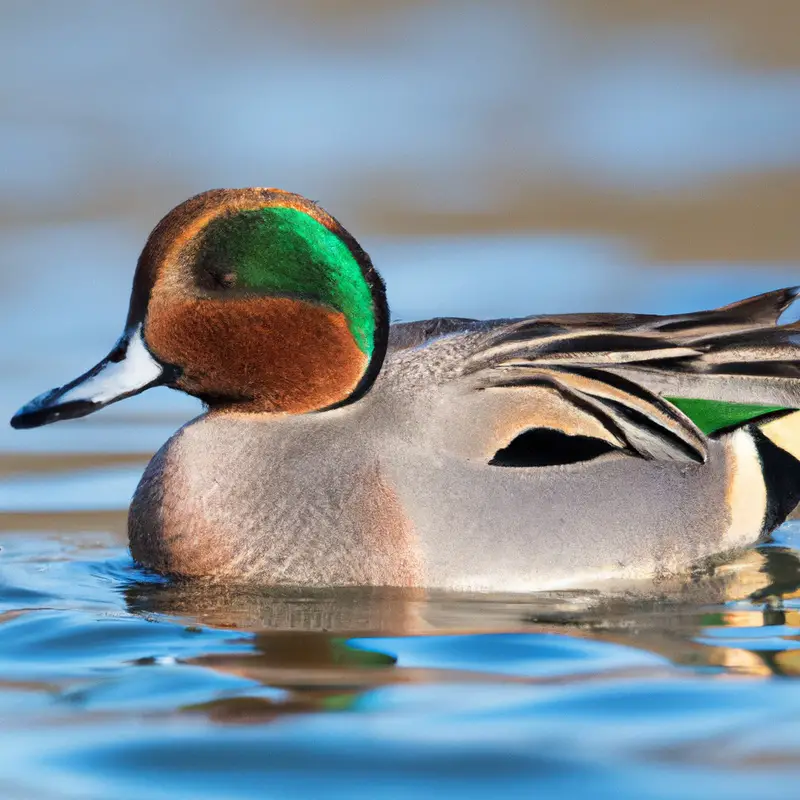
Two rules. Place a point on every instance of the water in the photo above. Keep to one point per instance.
(118, 683)
(495, 159)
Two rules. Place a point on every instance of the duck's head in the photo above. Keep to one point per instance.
(250, 299)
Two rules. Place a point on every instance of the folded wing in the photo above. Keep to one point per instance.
(659, 385)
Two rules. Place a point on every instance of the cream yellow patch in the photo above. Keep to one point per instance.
(499, 415)
(746, 492)
(785, 433)
(550, 411)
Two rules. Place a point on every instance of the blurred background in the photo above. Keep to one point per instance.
(495, 159)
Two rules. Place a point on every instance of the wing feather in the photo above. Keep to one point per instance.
(619, 366)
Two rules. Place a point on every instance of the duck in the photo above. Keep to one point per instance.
(336, 449)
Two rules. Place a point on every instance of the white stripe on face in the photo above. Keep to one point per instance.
(136, 370)
(128, 370)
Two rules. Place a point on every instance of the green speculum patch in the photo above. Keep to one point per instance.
(715, 415)
(286, 252)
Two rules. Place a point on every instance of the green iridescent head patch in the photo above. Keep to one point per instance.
(285, 252)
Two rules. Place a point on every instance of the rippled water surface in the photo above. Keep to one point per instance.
(117, 683)
(495, 159)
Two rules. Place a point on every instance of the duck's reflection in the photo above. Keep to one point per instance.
(297, 638)
(720, 618)
(295, 641)
(341, 610)
(771, 605)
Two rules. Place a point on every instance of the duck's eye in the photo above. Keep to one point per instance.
(223, 280)
(214, 277)
(545, 447)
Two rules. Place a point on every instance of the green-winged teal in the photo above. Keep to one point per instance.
(545, 452)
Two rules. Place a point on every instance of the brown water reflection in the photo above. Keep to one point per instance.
(300, 646)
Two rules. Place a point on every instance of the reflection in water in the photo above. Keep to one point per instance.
(353, 609)
(133, 664)
(304, 645)
(766, 574)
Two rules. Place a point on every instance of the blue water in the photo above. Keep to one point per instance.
(117, 683)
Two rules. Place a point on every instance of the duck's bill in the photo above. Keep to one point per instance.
(129, 369)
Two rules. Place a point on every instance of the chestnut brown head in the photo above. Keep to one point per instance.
(250, 299)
